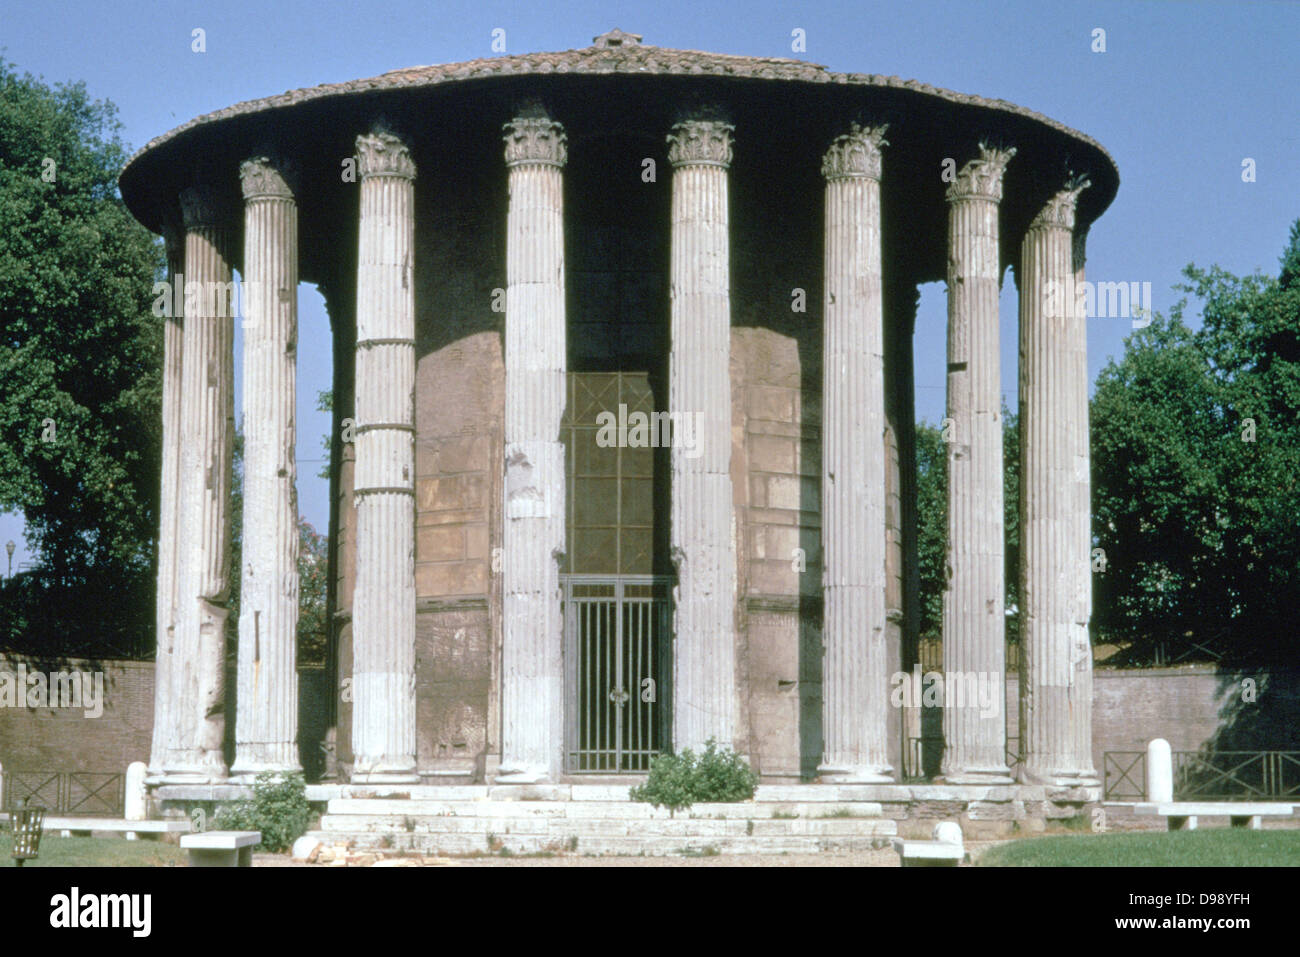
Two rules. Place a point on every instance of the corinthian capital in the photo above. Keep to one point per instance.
(982, 178)
(383, 154)
(1059, 210)
(700, 143)
(535, 139)
(856, 154)
(201, 207)
(264, 178)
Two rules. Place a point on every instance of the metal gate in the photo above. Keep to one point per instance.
(617, 646)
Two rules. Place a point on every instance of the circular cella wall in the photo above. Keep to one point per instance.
(520, 256)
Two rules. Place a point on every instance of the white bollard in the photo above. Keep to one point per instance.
(2, 787)
(1160, 771)
(137, 804)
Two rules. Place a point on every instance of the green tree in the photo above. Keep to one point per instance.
(80, 360)
(932, 525)
(1196, 465)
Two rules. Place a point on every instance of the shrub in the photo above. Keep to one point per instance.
(679, 780)
(279, 810)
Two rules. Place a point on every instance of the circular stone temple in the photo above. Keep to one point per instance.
(624, 455)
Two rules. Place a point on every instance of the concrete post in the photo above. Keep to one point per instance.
(974, 629)
(266, 722)
(383, 620)
(855, 666)
(164, 719)
(699, 384)
(137, 798)
(1160, 771)
(1055, 525)
(203, 522)
(533, 534)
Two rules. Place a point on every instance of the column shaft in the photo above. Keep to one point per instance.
(266, 723)
(855, 666)
(533, 533)
(203, 523)
(1055, 512)
(974, 628)
(699, 384)
(383, 626)
(164, 722)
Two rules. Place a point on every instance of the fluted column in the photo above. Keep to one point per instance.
(1055, 510)
(533, 534)
(974, 629)
(164, 720)
(699, 384)
(266, 721)
(203, 521)
(855, 663)
(383, 616)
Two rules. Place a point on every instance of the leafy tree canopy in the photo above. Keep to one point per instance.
(79, 348)
(1196, 472)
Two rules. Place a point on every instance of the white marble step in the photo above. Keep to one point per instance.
(585, 810)
(649, 845)
(378, 825)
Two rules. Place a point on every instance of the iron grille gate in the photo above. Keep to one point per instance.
(617, 646)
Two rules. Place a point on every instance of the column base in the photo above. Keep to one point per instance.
(1057, 778)
(979, 776)
(855, 774)
(246, 772)
(521, 775)
(384, 777)
(171, 776)
(381, 772)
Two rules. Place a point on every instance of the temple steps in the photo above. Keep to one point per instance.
(460, 827)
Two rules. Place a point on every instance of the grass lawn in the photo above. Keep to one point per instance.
(97, 852)
(1221, 847)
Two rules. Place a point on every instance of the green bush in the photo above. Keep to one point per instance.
(679, 780)
(279, 810)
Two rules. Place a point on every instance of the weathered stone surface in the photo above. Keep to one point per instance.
(532, 652)
(307, 848)
(1055, 506)
(702, 523)
(383, 612)
(266, 722)
(197, 679)
(855, 703)
(973, 613)
(165, 658)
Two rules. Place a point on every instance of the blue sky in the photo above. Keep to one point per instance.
(1184, 92)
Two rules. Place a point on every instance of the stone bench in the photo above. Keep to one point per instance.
(67, 826)
(1182, 815)
(221, 848)
(946, 850)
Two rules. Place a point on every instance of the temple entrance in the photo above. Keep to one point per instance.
(615, 572)
(617, 649)
(617, 616)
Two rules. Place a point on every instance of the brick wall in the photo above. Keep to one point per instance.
(67, 739)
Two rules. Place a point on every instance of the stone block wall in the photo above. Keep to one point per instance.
(459, 421)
